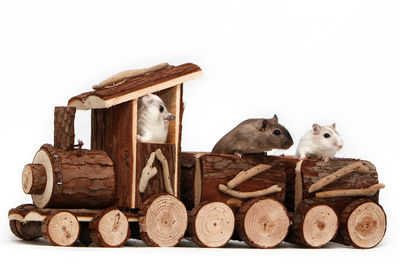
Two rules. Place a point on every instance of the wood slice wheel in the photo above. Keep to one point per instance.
(162, 220)
(110, 228)
(363, 223)
(61, 228)
(262, 223)
(211, 224)
(319, 226)
(26, 230)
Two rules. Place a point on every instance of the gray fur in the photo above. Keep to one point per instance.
(254, 136)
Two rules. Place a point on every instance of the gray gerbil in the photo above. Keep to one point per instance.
(254, 136)
(153, 120)
(320, 142)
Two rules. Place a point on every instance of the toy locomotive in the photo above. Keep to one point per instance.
(122, 188)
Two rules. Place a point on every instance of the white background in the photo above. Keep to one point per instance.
(307, 61)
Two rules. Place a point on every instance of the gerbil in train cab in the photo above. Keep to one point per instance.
(135, 182)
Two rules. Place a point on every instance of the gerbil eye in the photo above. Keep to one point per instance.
(327, 135)
(161, 109)
(276, 132)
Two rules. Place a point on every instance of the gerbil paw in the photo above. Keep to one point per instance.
(237, 154)
(139, 138)
(325, 159)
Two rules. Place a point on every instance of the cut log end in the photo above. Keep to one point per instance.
(263, 223)
(163, 221)
(61, 228)
(26, 230)
(320, 225)
(34, 179)
(363, 224)
(211, 224)
(110, 228)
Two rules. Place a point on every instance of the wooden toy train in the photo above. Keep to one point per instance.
(122, 188)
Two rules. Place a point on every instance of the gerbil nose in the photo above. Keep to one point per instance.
(170, 117)
(340, 146)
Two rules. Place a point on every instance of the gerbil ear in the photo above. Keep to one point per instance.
(149, 98)
(333, 126)
(316, 128)
(263, 125)
(275, 117)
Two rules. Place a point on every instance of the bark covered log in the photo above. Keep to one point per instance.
(26, 230)
(262, 223)
(314, 224)
(203, 173)
(64, 133)
(362, 224)
(75, 180)
(313, 171)
(109, 228)
(61, 228)
(34, 179)
(211, 224)
(163, 221)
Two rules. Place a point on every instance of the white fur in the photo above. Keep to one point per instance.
(153, 124)
(314, 143)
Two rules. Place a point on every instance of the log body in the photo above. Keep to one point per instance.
(201, 175)
(75, 179)
(157, 184)
(64, 133)
(112, 132)
(314, 170)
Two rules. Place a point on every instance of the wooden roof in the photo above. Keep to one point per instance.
(136, 87)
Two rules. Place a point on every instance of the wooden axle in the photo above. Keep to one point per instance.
(34, 179)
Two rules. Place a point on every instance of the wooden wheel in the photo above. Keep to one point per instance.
(109, 228)
(61, 228)
(162, 220)
(314, 224)
(26, 230)
(211, 224)
(262, 223)
(363, 223)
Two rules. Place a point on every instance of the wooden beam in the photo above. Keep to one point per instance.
(139, 86)
(134, 147)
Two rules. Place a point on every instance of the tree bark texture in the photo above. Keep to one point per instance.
(76, 179)
(64, 133)
(112, 132)
(109, 228)
(362, 224)
(156, 184)
(314, 224)
(61, 228)
(313, 170)
(137, 83)
(34, 179)
(201, 176)
(26, 230)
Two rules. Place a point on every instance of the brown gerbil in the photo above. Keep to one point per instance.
(254, 136)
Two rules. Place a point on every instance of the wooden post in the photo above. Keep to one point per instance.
(64, 133)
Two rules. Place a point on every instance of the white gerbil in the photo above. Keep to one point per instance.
(321, 142)
(153, 120)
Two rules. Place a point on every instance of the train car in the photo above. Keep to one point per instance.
(122, 188)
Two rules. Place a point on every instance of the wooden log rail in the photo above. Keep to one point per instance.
(357, 166)
(363, 192)
(149, 172)
(244, 176)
